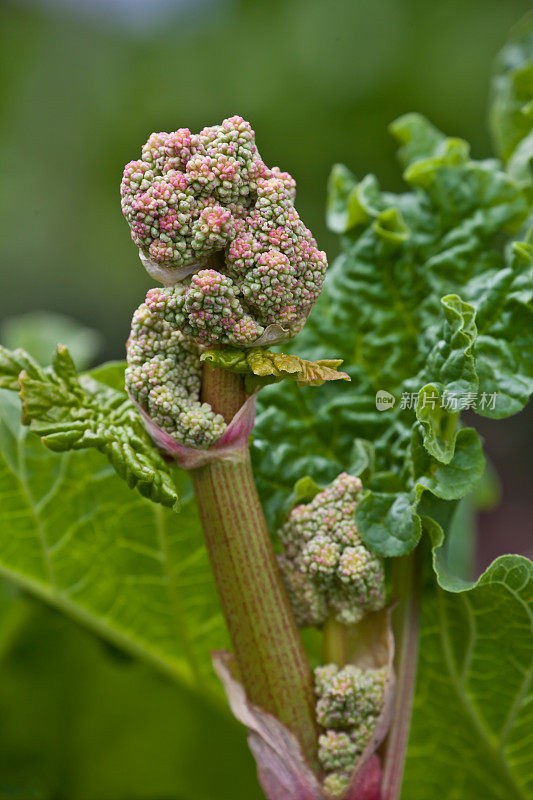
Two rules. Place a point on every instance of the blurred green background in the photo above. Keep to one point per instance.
(83, 84)
(319, 81)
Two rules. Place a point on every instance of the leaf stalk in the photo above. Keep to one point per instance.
(269, 651)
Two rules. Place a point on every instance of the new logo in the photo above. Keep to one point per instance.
(384, 400)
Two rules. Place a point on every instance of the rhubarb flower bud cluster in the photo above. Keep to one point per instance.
(206, 309)
(349, 702)
(163, 376)
(207, 205)
(327, 568)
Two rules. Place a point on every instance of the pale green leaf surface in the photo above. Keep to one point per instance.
(472, 725)
(75, 535)
(110, 373)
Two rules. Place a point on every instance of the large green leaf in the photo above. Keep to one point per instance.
(473, 711)
(429, 306)
(75, 535)
(83, 721)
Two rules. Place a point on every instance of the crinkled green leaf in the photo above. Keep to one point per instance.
(438, 406)
(70, 412)
(455, 479)
(294, 437)
(429, 306)
(452, 358)
(390, 229)
(471, 728)
(12, 362)
(73, 534)
(387, 522)
(419, 139)
(350, 201)
(456, 185)
(391, 523)
(439, 423)
(504, 348)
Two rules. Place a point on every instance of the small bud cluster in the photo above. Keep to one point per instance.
(205, 308)
(163, 375)
(326, 566)
(209, 200)
(349, 702)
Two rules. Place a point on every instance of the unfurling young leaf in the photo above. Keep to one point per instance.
(72, 412)
(12, 362)
(262, 367)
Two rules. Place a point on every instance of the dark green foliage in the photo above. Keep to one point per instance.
(430, 301)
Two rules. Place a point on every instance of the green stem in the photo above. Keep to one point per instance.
(274, 668)
(334, 643)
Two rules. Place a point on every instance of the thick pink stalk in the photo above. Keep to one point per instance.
(269, 652)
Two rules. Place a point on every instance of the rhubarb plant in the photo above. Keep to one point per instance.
(289, 517)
